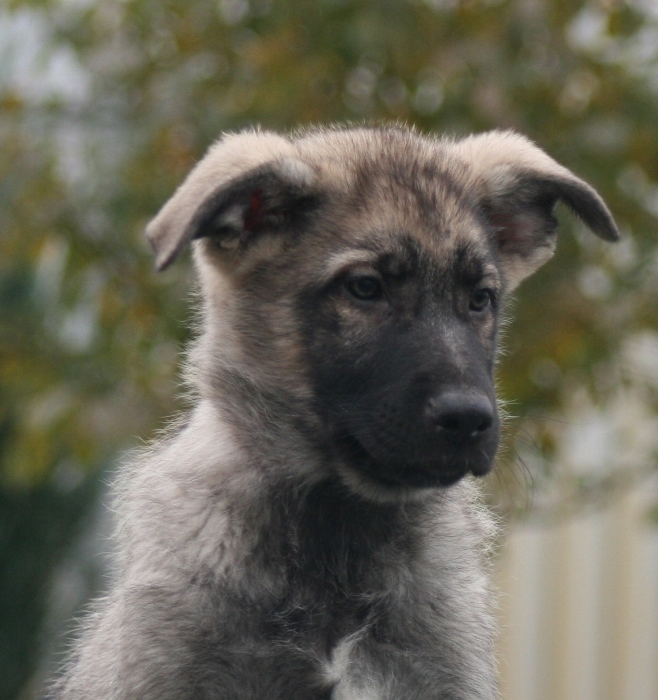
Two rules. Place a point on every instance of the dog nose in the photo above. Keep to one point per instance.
(460, 414)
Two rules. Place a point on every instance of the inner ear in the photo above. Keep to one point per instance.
(523, 228)
(519, 232)
(520, 214)
(235, 223)
(235, 214)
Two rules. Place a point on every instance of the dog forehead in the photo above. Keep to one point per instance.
(431, 227)
(401, 199)
(359, 156)
(396, 175)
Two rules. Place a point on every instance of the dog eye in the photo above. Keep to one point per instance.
(481, 299)
(365, 288)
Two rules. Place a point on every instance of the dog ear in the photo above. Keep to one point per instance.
(519, 186)
(248, 183)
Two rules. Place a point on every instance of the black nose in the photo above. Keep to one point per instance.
(460, 414)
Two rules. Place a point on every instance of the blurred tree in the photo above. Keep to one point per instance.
(105, 106)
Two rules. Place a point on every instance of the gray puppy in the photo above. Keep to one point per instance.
(312, 529)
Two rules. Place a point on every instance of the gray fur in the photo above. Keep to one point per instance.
(255, 560)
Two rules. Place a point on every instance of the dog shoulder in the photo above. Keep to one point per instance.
(171, 500)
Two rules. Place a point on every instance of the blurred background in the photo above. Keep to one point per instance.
(105, 106)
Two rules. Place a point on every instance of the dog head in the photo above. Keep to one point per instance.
(358, 275)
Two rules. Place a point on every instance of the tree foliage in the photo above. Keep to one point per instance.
(104, 107)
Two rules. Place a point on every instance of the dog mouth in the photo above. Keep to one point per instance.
(444, 471)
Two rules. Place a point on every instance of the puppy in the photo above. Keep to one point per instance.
(312, 529)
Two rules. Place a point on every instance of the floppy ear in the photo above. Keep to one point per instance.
(247, 184)
(519, 186)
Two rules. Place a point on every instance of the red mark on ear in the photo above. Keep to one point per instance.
(253, 216)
